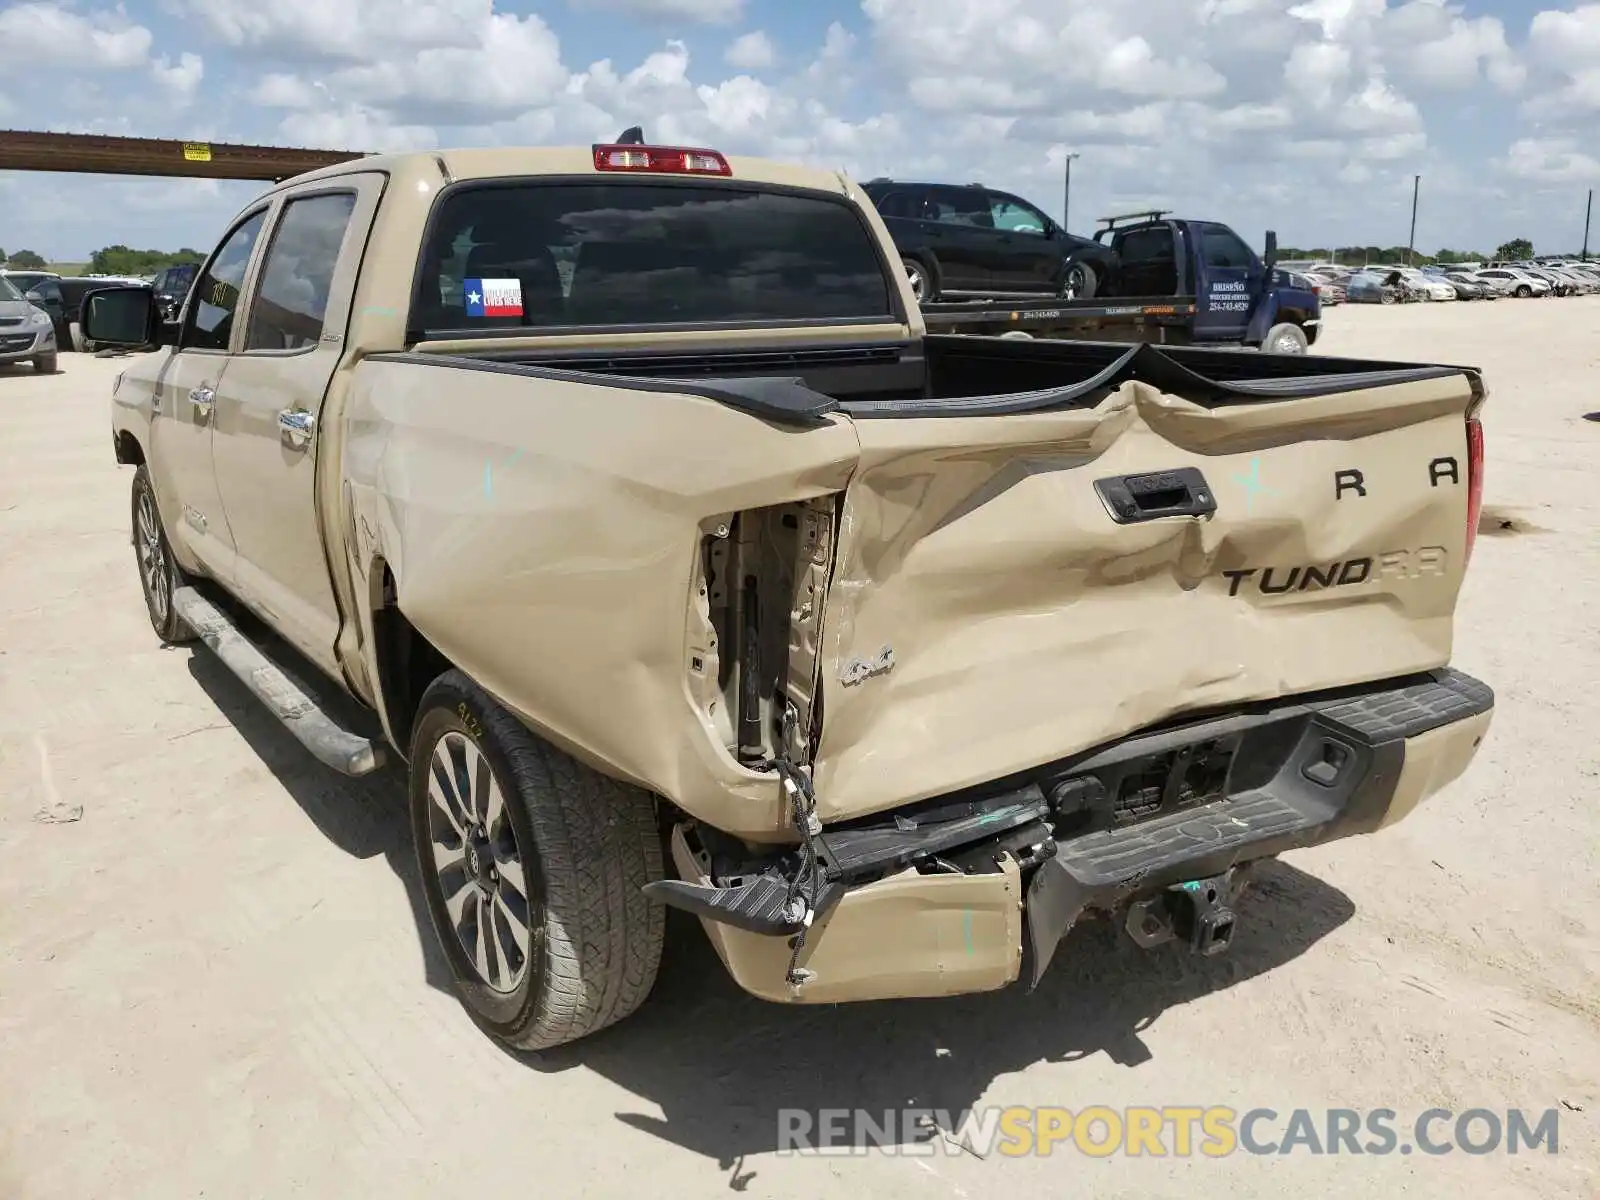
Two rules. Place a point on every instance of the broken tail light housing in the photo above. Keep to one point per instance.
(668, 160)
(1474, 480)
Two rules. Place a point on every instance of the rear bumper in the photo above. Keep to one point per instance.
(1228, 791)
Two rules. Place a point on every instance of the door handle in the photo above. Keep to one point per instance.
(203, 397)
(296, 426)
(1134, 498)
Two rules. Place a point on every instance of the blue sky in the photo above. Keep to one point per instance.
(1309, 117)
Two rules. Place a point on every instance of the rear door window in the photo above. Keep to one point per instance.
(959, 206)
(629, 253)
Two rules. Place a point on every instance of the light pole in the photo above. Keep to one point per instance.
(1588, 209)
(1066, 192)
(1411, 246)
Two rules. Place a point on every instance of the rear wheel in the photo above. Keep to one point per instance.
(1286, 338)
(532, 865)
(921, 280)
(159, 573)
(1386, 296)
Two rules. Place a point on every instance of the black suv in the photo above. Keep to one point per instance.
(958, 241)
(172, 287)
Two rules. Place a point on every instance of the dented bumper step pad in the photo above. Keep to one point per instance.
(1228, 791)
(1328, 768)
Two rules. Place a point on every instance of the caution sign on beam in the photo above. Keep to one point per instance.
(196, 152)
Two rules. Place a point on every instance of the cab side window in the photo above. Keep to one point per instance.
(217, 290)
(289, 306)
(1221, 247)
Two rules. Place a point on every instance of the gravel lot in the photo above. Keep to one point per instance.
(219, 982)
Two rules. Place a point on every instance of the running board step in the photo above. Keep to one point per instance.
(340, 749)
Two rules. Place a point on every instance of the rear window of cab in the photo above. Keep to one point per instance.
(554, 255)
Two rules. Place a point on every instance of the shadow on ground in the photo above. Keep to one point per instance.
(719, 1063)
(364, 817)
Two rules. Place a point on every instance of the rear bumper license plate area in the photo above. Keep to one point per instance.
(1185, 808)
(1161, 822)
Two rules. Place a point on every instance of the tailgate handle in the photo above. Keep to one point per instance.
(1178, 493)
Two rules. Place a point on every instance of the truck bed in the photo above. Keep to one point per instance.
(1041, 546)
(953, 375)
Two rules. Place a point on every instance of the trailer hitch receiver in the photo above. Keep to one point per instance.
(1199, 911)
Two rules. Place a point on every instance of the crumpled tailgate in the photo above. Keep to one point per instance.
(988, 615)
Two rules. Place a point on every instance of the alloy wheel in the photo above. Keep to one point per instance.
(482, 876)
(153, 559)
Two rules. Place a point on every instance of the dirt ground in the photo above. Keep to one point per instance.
(218, 980)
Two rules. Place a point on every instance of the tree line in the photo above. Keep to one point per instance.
(111, 260)
(1515, 249)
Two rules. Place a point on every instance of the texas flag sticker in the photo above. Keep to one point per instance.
(493, 297)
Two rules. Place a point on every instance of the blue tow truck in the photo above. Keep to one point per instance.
(1170, 281)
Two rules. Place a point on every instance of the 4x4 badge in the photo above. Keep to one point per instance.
(859, 670)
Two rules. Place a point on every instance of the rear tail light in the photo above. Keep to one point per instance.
(672, 160)
(1474, 480)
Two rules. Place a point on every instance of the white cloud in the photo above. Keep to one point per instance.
(180, 79)
(1255, 112)
(711, 12)
(1551, 160)
(751, 52)
(1564, 47)
(357, 30)
(53, 35)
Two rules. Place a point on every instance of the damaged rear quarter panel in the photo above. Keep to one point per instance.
(1026, 625)
(543, 534)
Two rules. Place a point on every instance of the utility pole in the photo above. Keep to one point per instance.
(1411, 246)
(1587, 210)
(1066, 192)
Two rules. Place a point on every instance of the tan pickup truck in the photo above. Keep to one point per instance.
(623, 484)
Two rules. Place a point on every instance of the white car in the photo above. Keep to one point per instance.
(1437, 289)
(1520, 282)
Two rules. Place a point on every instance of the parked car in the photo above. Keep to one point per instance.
(798, 695)
(1430, 287)
(969, 240)
(1559, 285)
(26, 280)
(62, 297)
(172, 286)
(1384, 286)
(1330, 289)
(1580, 282)
(1518, 281)
(1468, 288)
(26, 331)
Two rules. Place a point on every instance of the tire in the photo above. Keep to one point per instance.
(159, 573)
(1523, 291)
(1386, 297)
(1286, 338)
(586, 846)
(921, 279)
(45, 364)
(1079, 282)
